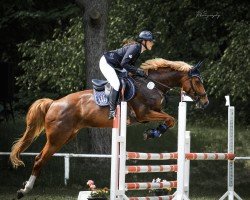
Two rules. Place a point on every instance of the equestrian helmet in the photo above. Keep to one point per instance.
(146, 35)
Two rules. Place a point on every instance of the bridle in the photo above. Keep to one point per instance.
(197, 95)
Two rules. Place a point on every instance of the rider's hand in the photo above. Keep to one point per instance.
(140, 72)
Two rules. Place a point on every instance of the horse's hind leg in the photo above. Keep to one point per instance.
(40, 160)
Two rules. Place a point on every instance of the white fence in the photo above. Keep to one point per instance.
(67, 157)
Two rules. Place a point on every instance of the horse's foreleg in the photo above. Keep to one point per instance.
(169, 122)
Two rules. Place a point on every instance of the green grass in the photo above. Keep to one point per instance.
(63, 193)
(52, 193)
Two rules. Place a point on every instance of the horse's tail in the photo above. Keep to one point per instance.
(34, 126)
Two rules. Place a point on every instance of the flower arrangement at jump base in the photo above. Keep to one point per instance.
(162, 191)
(97, 194)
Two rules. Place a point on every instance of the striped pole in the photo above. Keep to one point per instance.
(169, 197)
(151, 156)
(151, 168)
(210, 156)
(171, 156)
(150, 185)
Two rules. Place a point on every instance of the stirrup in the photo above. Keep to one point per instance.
(111, 114)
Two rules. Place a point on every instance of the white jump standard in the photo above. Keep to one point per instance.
(118, 187)
(230, 168)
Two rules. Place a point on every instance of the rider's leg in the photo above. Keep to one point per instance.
(113, 102)
(111, 76)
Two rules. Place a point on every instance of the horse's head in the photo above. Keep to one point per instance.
(193, 86)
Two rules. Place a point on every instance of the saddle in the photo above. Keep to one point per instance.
(102, 90)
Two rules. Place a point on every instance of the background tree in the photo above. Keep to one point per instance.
(95, 15)
(52, 68)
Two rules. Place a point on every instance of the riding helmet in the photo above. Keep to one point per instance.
(146, 35)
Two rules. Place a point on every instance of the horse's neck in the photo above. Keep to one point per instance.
(168, 77)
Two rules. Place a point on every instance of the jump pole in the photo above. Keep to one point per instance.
(230, 169)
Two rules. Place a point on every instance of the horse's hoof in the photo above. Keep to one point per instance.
(147, 135)
(19, 194)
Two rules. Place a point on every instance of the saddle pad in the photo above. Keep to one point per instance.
(101, 98)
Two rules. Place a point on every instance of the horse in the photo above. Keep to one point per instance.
(64, 117)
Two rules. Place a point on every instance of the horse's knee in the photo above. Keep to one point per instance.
(170, 122)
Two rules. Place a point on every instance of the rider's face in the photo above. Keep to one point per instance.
(149, 44)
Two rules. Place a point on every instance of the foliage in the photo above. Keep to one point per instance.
(54, 67)
(193, 31)
(230, 74)
(30, 19)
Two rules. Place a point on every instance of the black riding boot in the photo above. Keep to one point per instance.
(113, 102)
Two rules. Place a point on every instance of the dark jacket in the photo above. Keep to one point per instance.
(124, 57)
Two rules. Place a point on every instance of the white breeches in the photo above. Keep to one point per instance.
(109, 73)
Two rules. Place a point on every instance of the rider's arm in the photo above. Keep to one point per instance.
(131, 55)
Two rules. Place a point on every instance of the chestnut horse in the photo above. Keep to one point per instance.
(63, 118)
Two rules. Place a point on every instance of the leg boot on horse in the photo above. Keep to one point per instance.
(155, 132)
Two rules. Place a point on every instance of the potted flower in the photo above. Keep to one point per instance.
(159, 192)
(97, 194)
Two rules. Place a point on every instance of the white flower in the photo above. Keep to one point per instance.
(158, 180)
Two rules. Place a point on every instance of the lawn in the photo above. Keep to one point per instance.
(70, 193)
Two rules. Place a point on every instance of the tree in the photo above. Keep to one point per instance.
(95, 15)
(52, 68)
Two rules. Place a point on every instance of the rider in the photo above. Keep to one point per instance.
(123, 60)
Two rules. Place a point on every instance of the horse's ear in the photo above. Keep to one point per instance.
(196, 67)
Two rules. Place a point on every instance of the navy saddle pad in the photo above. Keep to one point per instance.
(102, 90)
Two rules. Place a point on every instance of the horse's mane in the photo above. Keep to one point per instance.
(160, 62)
